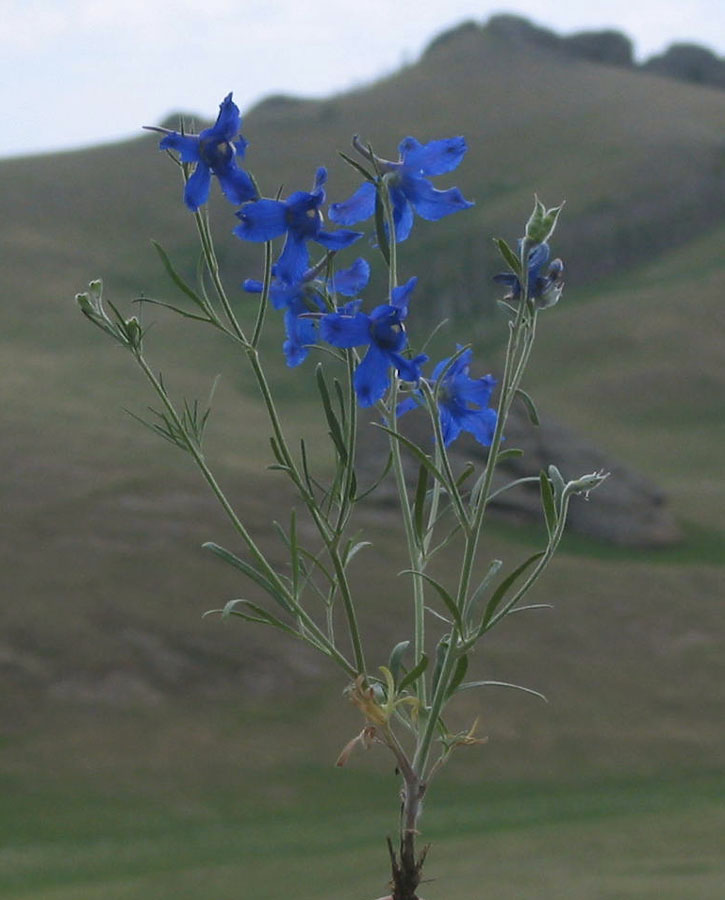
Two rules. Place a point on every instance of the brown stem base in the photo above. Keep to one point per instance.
(406, 868)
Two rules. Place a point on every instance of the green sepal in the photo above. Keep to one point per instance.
(542, 222)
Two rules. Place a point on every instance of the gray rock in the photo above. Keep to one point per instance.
(627, 510)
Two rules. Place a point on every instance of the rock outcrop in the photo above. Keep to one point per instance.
(627, 510)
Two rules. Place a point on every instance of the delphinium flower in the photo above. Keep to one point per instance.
(462, 400)
(408, 184)
(307, 296)
(544, 287)
(298, 217)
(383, 332)
(215, 152)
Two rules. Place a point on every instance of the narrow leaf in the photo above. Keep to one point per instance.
(498, 595)
(332, 420)
(415, 672)
(417, 453)
(396, 659)
(254, 574)
(380, 226)
(511, 453)
(444, 595)
(510, 258)
(547, 502)
(176, 309)
(175, 277)
(419, 504)
(368, 176)
(459, 673)
(517, 687)
(530, 406)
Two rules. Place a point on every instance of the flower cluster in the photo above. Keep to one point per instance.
(307, 293)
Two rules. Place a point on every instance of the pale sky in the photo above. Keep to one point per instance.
(80, 72)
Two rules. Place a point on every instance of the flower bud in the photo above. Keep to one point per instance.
(542, 222)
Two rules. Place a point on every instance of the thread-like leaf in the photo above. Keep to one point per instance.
(443, 593)
(176, 278)
(474, 684)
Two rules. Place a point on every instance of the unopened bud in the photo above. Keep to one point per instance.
(542, 222)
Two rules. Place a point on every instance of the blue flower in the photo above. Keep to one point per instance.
(458, 397)
(545, 288)
(384, 334)
(298, 217)
(409, 188)
(215, 152)
(307, 296)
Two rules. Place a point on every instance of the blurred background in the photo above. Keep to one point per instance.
(145, 752)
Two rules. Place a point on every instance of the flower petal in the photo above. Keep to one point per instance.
(237, 186)
(430, 203)
(186, 145)
(345, 330)
(361, 205)
(401, 295)
(228, 121)
(301, 334)
(372, 378)
(196, 192)
(474, 390)
(433, 158)
(294, 259)
(450, 426)
(411, 402)
(352, 280)
(252, 286)
(409, 369)
(481, 423)
(402, 214)
(261, 221)
(337, 240)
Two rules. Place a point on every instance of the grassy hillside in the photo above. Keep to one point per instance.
(148, 753)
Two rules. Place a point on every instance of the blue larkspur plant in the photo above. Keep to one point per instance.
(545, 287)
(304, 301)
(300, 219)
(463, 402)
(383, 332)
(215, 151)
(409, 185)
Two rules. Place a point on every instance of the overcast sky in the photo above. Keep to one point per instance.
(79, 72)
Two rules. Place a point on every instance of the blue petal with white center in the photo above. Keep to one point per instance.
(214, 151)
(407, 181)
